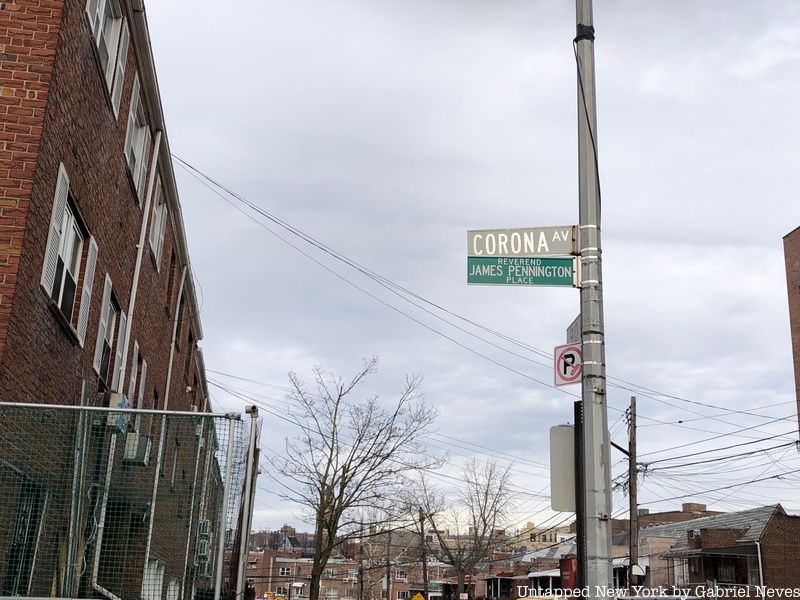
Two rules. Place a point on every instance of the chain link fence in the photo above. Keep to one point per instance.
(119, 504)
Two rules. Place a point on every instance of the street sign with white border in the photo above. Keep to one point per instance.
(567, 364)
(523, 241)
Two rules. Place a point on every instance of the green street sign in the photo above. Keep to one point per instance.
(503, 270)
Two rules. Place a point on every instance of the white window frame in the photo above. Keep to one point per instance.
(70, 254)
(285, 572)
(138, 378)
(158, 223)
(112, 39)
(112, 321)
(402, 595)
(401, 574)
(137, 140)
(281, 590)
(65, 218)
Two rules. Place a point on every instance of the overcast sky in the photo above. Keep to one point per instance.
(386, 130)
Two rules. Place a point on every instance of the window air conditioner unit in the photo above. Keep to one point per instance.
(137, 449)
(119, 420)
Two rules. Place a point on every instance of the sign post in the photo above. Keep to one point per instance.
(595, 460)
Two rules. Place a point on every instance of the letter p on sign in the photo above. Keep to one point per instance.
(567, 361)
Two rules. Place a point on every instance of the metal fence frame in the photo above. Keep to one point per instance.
(122, 418)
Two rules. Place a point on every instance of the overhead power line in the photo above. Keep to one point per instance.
(406, 295)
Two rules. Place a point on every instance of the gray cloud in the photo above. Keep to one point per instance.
(387, 130)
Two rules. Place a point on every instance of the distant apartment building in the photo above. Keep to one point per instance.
(531, 537)
(280, 575)
(791, 249)
(97, 309)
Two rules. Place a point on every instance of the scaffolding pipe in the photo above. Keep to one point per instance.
(226, 488)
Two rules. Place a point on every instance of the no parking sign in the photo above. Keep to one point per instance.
(567, 361)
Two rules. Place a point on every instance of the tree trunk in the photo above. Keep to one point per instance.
(316, 576)
(461, 584)
(319, 562)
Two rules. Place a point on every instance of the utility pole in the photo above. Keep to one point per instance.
(596, 460)
(247, 500)
(424, 550)
(633, 474)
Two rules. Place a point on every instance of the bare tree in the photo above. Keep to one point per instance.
(352, 456)
(475, 522)
(418, 502)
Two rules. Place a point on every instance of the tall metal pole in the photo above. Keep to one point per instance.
(244, 526)
(223, 518)
(596, 459)
(632, 492)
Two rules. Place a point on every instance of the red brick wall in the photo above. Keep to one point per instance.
(29, 31)
(780, 551)
(791, 248)
(61, 86)
(719, 538)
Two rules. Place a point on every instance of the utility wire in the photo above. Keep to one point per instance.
(396, 289)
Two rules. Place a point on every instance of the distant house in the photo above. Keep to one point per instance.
(746, 548)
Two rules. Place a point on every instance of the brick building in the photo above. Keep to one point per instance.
(280, 575)
(97, 309)
(791, 249)
(747, 548)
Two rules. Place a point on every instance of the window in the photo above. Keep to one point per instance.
(171, 282)
(179, 326)
(65, 255)
(281, 590)
(352, 574)
(138, 378)
(285, 571)
(24, 534)
(726, 570)
(153, 580)
(158, 223)
(137, 140)
(331, 592)
(402, 595)
(330, 572)
(400, 574)
(753, 571)
(112, 37)
(68, 263)
(188, 358)
(110, 338)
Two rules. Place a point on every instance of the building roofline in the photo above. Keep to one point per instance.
(794, 231)
(148, 80)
